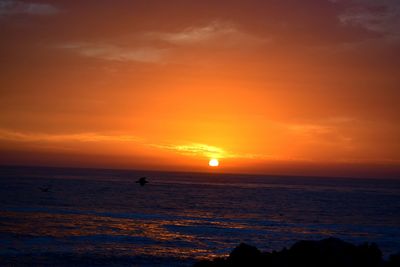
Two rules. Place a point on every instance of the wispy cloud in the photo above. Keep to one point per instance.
(310, 129)
(162, 47)
(10, 135)
(10, 7)
(196, 149)
(330, 131)
(116, 53)
(214, 33)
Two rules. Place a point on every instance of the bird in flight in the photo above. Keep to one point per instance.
(45, 188)
(142, 181)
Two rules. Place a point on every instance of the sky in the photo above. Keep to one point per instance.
(277, 87)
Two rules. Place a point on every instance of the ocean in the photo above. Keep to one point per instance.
(102, 217)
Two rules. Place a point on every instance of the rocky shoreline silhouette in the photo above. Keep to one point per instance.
(330, 252)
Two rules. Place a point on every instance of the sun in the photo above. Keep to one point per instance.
(213, 163)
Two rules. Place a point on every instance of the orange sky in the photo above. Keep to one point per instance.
(292, 87)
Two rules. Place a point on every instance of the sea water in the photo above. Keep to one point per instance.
(95, 216)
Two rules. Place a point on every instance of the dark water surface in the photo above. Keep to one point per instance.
(104, 215)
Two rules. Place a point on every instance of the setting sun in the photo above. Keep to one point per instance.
(213, 163)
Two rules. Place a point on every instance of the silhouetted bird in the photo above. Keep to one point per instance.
(45, 188)
(142, 181)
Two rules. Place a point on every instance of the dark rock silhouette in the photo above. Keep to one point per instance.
(246, 255)
(330, 252)
(142, 181)
(394, 260)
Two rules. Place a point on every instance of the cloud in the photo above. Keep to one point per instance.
(75, 137)
(117, 53)
(208, 151)
(10, 7)
(377, 16)
(146, 47)
(216, 32)
(196, 149)
(328, 132)
(310, 129)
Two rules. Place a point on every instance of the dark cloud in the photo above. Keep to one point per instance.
(10, 7)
